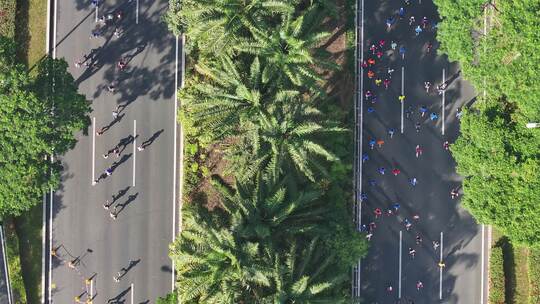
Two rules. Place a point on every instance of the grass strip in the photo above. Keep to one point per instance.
(14, 263)
(534, 276)
(521, 269)
(30, 34)
(28, 229)
(8, 9)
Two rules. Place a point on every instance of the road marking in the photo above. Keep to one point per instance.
(54, 22)
(43, 236)
(443, 99)
(402, 93)
(134, 149)
(96, 13)
(482, 268)
(51, 205)
(175, 108)
(91, 288)
(400, 254)
(440, 268)
(132, 292)
(137, 13)
(6, 271)
(93, 150)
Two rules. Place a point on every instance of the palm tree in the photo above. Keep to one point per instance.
(217, 25)
(215, 266)
(306, 276)
(227, 97)
(286, 49)
(268, 210)
(286, 138)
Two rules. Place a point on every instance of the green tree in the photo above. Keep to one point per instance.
(289, 50)
(30, 132)
(306, 274)
(271, 211)
(214, 265)
(495, 153)
(288, 137)
(217, 25)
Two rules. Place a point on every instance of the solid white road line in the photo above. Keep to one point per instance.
(93, 150)
(400, 254)
(137, 13)
(51, 206)
(482, 263)
(96, 13)
(402, 93)
(132, 292)
(91, 288)
(6, 271)
(175, 109)
(443, 100)
(361, 131)
(54, 23)
(440, 268)
(134, 150)
(43, 236)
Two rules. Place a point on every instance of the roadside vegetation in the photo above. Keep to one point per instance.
(268, 154)
(498, 156)
(29, 133)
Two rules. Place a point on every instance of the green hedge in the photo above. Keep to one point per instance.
(496, 276)
(8, 8)
(534, 276)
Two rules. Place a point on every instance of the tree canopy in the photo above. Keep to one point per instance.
(35, 123)
(279, 228)
(496, 154)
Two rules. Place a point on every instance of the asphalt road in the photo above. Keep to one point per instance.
(439, 214)
(136, 243)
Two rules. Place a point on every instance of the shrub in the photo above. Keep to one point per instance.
(496, 276)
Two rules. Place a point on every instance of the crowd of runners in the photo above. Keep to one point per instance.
(107, 26)
(382, 56)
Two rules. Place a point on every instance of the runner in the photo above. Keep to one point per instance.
(412, 252)
(372, 143)
(411, 20)
(401, 98)
(396, 171)
(402, 51)
(433, 116)
(423, 110)
(390, 71)
(393, 45)
(381, 170)
(446, 145)
(417, 127)
(391, 132)
(435, 245)
(418, 239)
(378, 82)
(378, 212)
(386, 83)
(419, 285)
(414, 182)
(418, 151)
(427, 85)
(370, 74)
(371, 61)
(424, 22)
(365, 157)
(418, 30)
(380, 143)
(454, 193)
